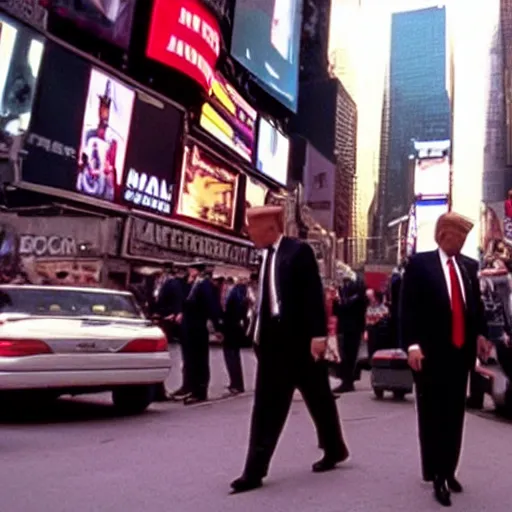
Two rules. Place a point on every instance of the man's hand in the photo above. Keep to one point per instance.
(171, 318)
(483, 348)
(506, 339)
(318, 348)
(179, 318)
(415, 359)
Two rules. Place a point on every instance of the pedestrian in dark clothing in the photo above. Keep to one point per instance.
(350, 310)
(234, 326)
(291, 341)
(201, 304)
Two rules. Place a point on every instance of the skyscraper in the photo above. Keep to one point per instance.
(419, 100)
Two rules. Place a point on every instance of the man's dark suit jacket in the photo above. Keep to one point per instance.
(300, 294)
(426, 307)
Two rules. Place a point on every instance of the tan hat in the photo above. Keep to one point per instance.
(452, 220)
(253, 214)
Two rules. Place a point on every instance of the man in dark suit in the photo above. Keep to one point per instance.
(200, 305)
(290, 341)
(234, 327)
(443, 329)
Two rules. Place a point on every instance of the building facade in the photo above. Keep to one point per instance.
(418, 93)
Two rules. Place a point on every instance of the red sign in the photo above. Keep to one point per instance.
(185, 36)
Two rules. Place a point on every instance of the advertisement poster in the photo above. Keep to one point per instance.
(432, 177)
(21, 51)
(151, 157)
(208, 189)
(104, 139)
(185, 36)
(266, 41)
(229, 118)
(110, 20)
(273, 153)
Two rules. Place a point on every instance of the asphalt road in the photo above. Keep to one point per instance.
(79, 457)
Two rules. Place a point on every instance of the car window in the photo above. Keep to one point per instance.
(61, 302)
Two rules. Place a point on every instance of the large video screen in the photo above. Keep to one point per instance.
(229, 118)
(185, 36)
(273, 152)
(432, 177)
(104, 139)
(208, 189)
(21, 50)
(266, 41)
(110, 20)
(92, 136)
(426, 215)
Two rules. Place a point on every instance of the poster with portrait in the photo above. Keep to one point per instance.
(208, 189)
(104, 139)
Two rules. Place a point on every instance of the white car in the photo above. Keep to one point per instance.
(60, 340)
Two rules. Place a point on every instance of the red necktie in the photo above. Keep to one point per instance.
(458, 315)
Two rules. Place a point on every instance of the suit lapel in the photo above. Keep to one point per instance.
(468, 289)
(281, 258)
(440, 278)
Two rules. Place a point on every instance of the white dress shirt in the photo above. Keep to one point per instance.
(274, 301)
(446, 271)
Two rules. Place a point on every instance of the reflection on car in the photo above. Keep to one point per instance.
(79, 340)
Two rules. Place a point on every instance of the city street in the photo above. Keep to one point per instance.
(79, 457)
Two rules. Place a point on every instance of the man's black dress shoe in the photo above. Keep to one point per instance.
(454, 485)
(245, 484)
(442, 493)
(329, 462)
(191, 400)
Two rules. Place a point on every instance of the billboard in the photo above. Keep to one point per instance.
(110, 20)
(229, 118)
(426, 214)
(104, 138)
(186, 37)
(208, 189)
(432, 177)
(152, 155)
(273, 152)
(319, 187)
(266, 41)
(21, 51)
(114, 143)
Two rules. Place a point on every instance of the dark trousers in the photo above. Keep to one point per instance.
(196, 351)
(279, 373)
(441, 396)
(349, 350)
(233, 360)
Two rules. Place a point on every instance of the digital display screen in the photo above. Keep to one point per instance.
(21, 51)
(104, 140)
(110, 20)
(266, 41)
(432, 177)
(229, 118)
(185, 36)
(208, 189)
(273, 152)
(426, 215)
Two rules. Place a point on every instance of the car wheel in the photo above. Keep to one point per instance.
(133, 399)
(379, 393)
(399, 395)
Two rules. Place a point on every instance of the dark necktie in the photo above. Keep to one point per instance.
(458, 313)
(266, 304)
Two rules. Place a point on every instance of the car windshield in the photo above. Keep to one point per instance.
(69, 303)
